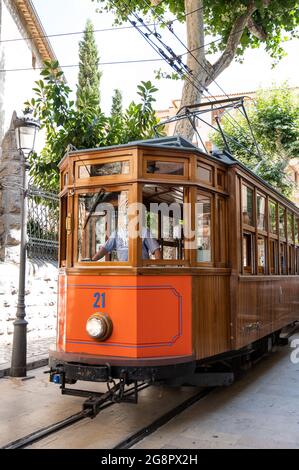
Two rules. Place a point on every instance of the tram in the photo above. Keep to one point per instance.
(175, 265)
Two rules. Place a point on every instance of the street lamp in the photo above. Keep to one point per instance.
(26, 129)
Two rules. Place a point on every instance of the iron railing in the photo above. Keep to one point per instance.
(42, 225)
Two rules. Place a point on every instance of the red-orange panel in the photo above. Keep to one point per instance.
(151, 315)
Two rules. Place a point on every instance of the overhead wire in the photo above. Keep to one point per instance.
(231, 118)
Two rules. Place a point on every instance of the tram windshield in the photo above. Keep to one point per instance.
(164, 209)
(103, 226)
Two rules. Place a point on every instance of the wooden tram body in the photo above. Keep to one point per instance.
(236, 287)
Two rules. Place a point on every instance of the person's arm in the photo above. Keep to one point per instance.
(100, 254)
(153, 246)
(107, 248)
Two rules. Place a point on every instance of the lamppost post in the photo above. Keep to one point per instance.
(26, 129)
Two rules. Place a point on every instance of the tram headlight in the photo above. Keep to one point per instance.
(99, 326)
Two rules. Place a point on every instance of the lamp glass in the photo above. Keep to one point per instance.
(26, 130)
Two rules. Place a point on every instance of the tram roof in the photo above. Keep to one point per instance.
(176, 142)
(181, 143)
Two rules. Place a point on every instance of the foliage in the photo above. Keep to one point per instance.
(276, 20)
(66, 124)
(88, 88)
(274, 119)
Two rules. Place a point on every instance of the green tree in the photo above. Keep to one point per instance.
(116, 120)
(237, 24)
(274, 118)
(88, 88)
(117, 104)
(66, 124)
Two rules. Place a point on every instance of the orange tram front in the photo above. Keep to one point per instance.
(175, 265)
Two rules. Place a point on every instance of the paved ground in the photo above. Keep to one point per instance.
(259, 411)
(36, 351)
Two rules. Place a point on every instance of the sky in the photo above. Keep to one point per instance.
(61, 16)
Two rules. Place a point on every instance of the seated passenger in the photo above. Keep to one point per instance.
(118, 241)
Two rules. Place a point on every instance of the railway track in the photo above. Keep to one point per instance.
(127, 443)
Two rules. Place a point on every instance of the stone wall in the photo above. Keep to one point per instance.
(40, 300)
(10, 197)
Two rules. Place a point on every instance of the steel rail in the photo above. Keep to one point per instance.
(147, 430)
(42, 433)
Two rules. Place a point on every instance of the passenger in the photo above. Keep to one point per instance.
(118, 241)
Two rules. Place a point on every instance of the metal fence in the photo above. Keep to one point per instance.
(42, 225)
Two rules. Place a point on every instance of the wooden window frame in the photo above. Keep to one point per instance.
(210, 168)
(98, 264)
(105, 179)
(248, 226)
(165, 262)
(248, 270)
(165, 177)
(212, 198)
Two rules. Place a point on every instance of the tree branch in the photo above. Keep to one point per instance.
(233, 40)
(257, 30)
(235, 35)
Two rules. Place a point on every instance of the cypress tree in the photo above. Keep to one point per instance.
(88, 88)
(116, 108)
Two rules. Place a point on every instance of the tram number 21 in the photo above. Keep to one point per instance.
(99, 300)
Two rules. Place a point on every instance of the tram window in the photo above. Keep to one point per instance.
(247, 205)
(164, 216)
(290, 228)
(297, 260)
(220, 179)
(272, 217)
(247, 253)
(104, 169)
(261, 212)
(65, 178)
(273, 257)
(160, 167)
(291, 259)
(281, 219)
(296, 231)
(283, 258)
(103, 226)
(261, 254)
(221, 236)
(205, 173)
(203, 220)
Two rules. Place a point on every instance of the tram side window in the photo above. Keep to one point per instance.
(221, 234)
(281, 220)
(103, 226)
(164, 220)
(261, 212)
(247, 205)
(273, 257)
(297, 260)
(290, 228)
(272, 217)
(261, 254)
(296, 231)
(203, 220)
(248, 253)
(291, 259)
(283, 258)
